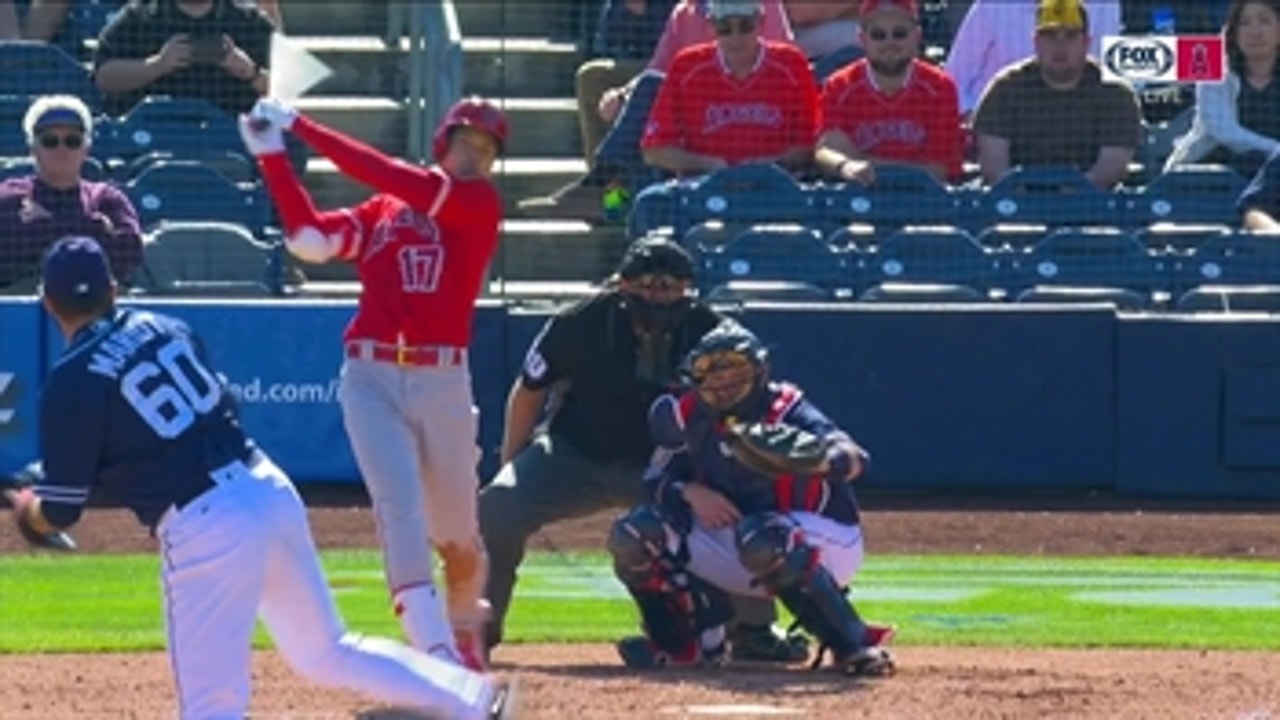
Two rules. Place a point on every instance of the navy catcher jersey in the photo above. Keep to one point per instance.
(133, 409)
(705, 459)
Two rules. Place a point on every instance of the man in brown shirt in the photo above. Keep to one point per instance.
(1056, 109)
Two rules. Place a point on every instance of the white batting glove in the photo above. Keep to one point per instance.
(260, 138)
(276, 112)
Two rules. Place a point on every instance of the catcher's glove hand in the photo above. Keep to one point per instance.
(778, 449)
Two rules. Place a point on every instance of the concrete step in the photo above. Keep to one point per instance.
(306, 17)
(542, 127)
(380, 122)
(530, 250)
(362, 65)
(527, 17)
(519, 67)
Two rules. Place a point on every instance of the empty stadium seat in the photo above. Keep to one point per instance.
(204, 258)
(1178, 237)
(13, 141)
(739, 291)
(1012, 235)
(853, 236)
(192, 191)
(654, 208)
(1052, 196)
(931, 255)
(1186, 194)
(710, 234)
(753, 193)
(1231, 298)
(785, 252)
(1119, 298)
(233, 165)
(899, 196)
(921, 293)
(1159, 139)
(34, 68)
(185, 128)
(1240, 258)
(1090, 258)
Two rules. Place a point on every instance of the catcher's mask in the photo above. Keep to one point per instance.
(655, 277)
(728, 368)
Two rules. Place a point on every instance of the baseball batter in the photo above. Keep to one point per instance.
(422, 245)
(716, 527)
(134, 409)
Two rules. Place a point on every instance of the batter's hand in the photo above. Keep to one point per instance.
(274, 112)
(712, 509)
(259, 138)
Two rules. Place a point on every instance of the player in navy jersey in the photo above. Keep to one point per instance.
(133, 409)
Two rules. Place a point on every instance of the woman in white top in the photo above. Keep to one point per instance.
(1237, 122)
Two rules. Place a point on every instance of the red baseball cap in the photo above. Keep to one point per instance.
(907, 6)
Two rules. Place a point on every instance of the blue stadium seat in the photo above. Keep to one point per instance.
(184, 128)
(1231, 298)
(192, 191)
(921, 293)
(13, 141)
(654, 208)
(1052, 196)
(1012, 235)
(1186, 194)
(1091, 258)
(204, 258)
(746, 194)
(36, 68)
(1177, 237)
(777, 291)
(1119, 298)
(710, 234)
(900, 196)
(853, 236)
(1159, 139)
(233, 165)
(784, 252)
(1241, 258)
(930, 255)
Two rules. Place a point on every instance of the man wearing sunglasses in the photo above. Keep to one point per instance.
(890, 107)
(738, 100)
(595, 368)
(53, 202)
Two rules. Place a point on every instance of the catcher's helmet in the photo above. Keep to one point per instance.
(474, 112)
(727, 348)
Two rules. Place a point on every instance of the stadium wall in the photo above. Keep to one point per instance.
(987, 398)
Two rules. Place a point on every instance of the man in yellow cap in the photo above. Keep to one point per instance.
(1055, 108)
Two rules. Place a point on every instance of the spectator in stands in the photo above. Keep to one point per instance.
(213, 50)
(626, 108)
(987, 41)
(47, 21)
(826, 31)
(53, 202)
(1259, 204)
(890, 107)
(625, 39)
(1237, 122)
(740, 99)
(1055, 109)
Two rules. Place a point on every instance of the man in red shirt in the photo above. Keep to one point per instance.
(890, 107)
(422, 245)
(738, 99)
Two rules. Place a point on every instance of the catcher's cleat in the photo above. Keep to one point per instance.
(762, 644)
(639, 653)
(504, 701)
(879, 635)
(866, 662)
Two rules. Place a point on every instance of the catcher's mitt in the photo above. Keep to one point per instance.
(777, 449)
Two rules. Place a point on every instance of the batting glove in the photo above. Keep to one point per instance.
(275, 112)
(260, 139)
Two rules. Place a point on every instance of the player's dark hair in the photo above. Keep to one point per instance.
(85, 308)
(1231, 33)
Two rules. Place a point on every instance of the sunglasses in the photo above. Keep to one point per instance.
(741, 26)
(880, 34)
(50, 141)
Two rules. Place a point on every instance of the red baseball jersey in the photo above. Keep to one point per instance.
(422, 244)
(918, 124)
(704, 109)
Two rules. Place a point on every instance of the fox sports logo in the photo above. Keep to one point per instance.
(1141, 58)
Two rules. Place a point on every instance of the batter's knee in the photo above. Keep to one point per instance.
(771, 547)
(638, 539)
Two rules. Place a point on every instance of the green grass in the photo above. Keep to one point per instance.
(112, 603)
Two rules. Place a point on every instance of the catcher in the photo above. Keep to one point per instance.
(751, 488)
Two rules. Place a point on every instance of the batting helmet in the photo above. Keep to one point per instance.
(474, 112)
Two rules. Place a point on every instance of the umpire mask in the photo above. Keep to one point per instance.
(655, 276)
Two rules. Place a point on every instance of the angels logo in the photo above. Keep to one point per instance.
(721, 115)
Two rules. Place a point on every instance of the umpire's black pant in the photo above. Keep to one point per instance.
(547, 482)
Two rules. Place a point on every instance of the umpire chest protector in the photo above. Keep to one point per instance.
(751, 491)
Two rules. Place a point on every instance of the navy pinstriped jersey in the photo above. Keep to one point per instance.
(133, 410)
(705, 459)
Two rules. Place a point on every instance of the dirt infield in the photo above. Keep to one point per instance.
(584, 682)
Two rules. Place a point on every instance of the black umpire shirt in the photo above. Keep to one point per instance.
(604, 412)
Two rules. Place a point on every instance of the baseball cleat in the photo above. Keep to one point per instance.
(867, 662)
(504, 701)
(639, 653)
(763, 644)
(879, 635)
